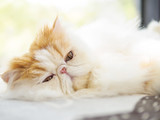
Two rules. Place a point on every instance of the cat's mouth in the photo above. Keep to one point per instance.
(63, 70)
(65, 80)
(67, 85)
(71, 77)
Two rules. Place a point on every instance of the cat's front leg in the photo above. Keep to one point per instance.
(85, 93)
(93, 92)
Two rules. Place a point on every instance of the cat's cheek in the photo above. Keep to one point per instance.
(41, 91)
(52, 87)
(81, 82)
(76, 71)
(20, 84)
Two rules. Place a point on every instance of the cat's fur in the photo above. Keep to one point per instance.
(103, 73)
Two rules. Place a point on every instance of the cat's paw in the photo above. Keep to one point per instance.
(85, 93)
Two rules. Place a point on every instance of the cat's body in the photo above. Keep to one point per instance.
(58, 65)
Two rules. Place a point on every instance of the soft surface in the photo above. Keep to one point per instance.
(148, 108)
(61, 109)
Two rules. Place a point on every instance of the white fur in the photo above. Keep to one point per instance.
(116, 62)
(121, 52)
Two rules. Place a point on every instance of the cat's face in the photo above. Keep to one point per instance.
(54, 62)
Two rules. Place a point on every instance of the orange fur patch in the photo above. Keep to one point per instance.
(53, 37)
(50, 37)
(25, 65)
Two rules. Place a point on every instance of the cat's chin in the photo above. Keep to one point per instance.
(70, 76)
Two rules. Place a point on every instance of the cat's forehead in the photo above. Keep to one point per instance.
(48, 58)
(52, 55)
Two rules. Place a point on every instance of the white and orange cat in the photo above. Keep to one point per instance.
(59, 65)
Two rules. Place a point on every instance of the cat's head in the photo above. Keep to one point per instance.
(55, 61)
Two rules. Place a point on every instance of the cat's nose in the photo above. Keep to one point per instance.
(63, 70)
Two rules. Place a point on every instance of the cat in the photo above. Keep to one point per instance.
(60, 65)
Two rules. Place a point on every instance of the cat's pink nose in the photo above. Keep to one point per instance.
(63, 70)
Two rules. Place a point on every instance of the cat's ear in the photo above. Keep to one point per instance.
(10, 76)
(57, 28)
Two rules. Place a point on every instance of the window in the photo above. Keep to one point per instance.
(149, 10)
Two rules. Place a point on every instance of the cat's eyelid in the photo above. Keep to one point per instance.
(44, 77)
(47, 79)
(69, 56)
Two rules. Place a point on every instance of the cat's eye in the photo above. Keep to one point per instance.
(48, 78)
(69, 56)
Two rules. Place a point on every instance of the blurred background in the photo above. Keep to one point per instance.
(20, 20)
